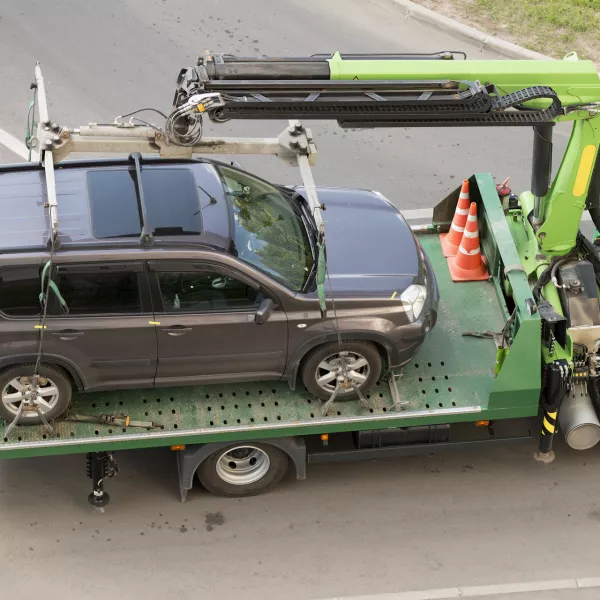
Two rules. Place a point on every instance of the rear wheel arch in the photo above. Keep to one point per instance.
(53, 361)
(383, 352)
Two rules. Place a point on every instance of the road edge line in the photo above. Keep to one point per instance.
(478, 591)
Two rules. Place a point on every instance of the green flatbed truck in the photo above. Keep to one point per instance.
(450, 383)
(506, 352)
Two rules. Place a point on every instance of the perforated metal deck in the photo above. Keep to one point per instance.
(449, 381)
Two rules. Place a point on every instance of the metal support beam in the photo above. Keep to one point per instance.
(42, 102)
(125, 139)
(294, 145)
(48, 161)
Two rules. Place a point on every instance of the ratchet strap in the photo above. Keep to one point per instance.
(321, 270)
(51, 285)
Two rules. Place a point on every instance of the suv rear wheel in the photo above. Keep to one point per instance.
(359, 361)
(53, 394)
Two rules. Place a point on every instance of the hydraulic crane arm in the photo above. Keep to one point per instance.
(424, 90)
(322, 87)
(383, 91)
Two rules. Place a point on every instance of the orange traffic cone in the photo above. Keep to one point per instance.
(468, 264)
(451, 240)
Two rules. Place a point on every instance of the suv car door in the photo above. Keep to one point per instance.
(108, 333)
(20, 312)
(207, 329)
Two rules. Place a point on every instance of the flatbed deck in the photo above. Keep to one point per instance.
(449, 381)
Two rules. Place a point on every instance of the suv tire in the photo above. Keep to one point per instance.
(52, 377)
(318, 369)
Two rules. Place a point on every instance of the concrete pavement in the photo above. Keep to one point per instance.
(119, 56)
(350, 529)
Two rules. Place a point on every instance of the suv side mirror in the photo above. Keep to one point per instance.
(264, 311)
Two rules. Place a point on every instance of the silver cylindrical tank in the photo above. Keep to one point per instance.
(578, 420)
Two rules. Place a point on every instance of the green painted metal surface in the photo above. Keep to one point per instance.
(576, 83)
(450, 381)
(566, 198)
(518, 382)
(574, 80)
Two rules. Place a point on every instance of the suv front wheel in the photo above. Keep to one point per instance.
(53, 394)
(357, 362)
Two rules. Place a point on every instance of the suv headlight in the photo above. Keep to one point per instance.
(413, 299)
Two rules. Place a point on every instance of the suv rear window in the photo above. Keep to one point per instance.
(170, 196)
(92, 291)
(19, 291)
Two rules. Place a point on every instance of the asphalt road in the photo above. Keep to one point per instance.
(350, 529)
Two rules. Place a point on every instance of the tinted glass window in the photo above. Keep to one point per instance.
(203, 291)
(89, 292)
(269, 232)
(19, 291)
(170, 196)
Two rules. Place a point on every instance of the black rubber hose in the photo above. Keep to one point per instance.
(542, 159)
(595, 214)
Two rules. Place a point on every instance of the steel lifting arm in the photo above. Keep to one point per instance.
(294, 145)
(427, 90)
(377, 91)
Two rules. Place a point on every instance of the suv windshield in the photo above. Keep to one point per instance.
(269, 229)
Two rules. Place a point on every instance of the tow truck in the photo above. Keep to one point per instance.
(512, 357)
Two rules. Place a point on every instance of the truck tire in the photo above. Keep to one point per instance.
(318, 369)
(55, 392)
(243, 469)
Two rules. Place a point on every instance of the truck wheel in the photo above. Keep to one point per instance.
(243, 469)
(54, 393)
(324, 363)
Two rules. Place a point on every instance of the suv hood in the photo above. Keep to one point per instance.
(370, 247)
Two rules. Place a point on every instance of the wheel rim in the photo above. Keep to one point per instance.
(357, 370)
(16, 390)
(243, 465)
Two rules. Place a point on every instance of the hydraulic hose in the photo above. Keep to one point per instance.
(595, 215)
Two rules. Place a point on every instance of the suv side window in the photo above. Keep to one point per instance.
(19, 291)
(205, 290)
(99, 289)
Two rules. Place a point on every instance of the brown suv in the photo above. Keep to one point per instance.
(223, 291)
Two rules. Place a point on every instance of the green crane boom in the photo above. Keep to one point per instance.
(563, 269)
(429, 90)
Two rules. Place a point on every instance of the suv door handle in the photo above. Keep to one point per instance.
(177, 330)
(68, 334)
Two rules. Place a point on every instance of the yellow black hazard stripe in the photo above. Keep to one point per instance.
(549, 423)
